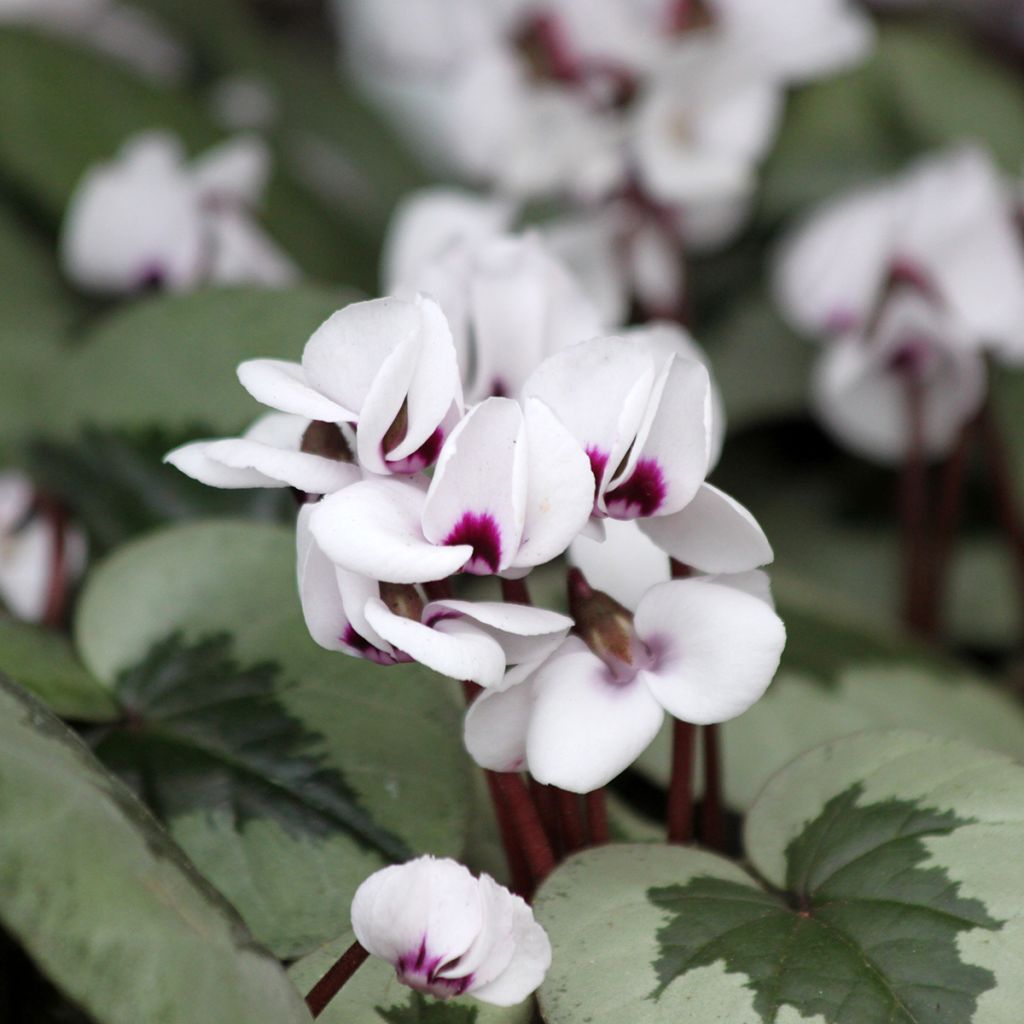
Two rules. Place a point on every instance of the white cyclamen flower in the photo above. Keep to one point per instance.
(387, 365)
(278, 450)
(449, 934)
(150, 219)
(391, 623)
(510, 491)
(702, 651)
(28, 546)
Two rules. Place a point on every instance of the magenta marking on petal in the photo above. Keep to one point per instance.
(440, 615)
(480, 531)
(362, 648)
(151, 277)
(641, 495)
(424, 456)
(840, 321)
(598, 463)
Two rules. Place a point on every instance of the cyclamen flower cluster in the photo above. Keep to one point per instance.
(909, 284)
(148, 219)
(412, 490)
(653, 115)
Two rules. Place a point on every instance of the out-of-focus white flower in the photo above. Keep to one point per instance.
(28, 549)
(510, 491)
(120, 30)
(699, 650)
(278, 450)
(244, 103)
(908, 283)
(447, 933)
(387, 365)
(148, 218)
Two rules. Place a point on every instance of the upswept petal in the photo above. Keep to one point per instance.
(282, 385)
(373, 528)
(459, 650)
(477, 496)
(716, 649)
(713, 533)
(626, 564)
(236, 170)
(313, 474)
(193, 460)
(496, 725)
(586, 729)
(559, 491)
(318, 590)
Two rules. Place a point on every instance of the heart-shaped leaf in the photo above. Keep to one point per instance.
(840, 675)
(106, 903)
(286, 772)
(42, 662)
(887, 891)
(170, 362)
(375, 996)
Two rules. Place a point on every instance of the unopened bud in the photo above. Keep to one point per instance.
(605, 626)
(327, 441)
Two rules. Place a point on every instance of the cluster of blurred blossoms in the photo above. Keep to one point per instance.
(594, 446)
(910, 285)
(650, 117)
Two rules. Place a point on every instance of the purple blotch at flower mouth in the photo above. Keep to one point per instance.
(364, 649)
(639, 496)
(421, 972)
(424, 456)
(481, 532)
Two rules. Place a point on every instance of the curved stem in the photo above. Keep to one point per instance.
(335, 979)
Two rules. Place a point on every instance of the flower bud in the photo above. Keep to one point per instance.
(606, 627)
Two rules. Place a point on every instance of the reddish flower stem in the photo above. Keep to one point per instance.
(544, 798)
(712, 825)
(439, 590)
(597, 817)
(573, 832)
(515, 591)
(57, 588)
(914, 511)
(528, 827)
(950, 506)
(335, 979)
(519, 869)
(680, 793)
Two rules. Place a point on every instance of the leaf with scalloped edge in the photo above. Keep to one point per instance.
(292, 720)
(886, 887)
(104, 901)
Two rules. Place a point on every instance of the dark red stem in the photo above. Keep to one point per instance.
(515, 591)
(519, 869)
(713, 808)
(528, 827)
(573, 832)
(597, 817)
(544, 798)
(914, 511)
(57, 588)
(680, 792)
(334, 980)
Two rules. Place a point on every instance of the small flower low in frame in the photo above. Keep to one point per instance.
(421, 519)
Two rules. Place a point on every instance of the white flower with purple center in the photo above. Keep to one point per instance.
(150, 219)
(393, 623)
(699, 650)
(388, 366)
(511, 489)
(449, 934)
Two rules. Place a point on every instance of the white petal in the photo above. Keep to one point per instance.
(531, 958)
(829, 272)
(525, 633)
(313, 474)
(496, 725)
(426, 901)
(670, 457)
(716, 649)
(478, 493)
(460, 651)
(586, 729)
(560, 487)
(241, 252)
(26, 560)
(193, 460)
(757, 583)
(236, 170)
(282, 385)
(714, 533)
(345, 353)
(626, 564)
(318, 590)
(280, 429)
(373, 528)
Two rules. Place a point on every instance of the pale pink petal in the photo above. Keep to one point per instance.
(282, 385)
(714, 533)
(478, 492)
(586, 729)
(715, 649)
(373, 528)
